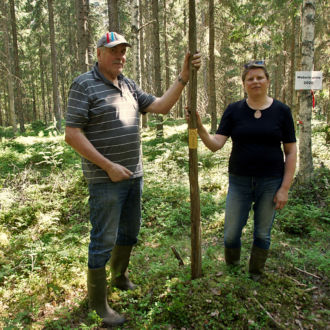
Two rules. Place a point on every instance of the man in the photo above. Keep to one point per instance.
(102, 125)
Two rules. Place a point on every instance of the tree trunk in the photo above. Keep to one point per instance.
(90, 46)
(166, 51)
(278, 80)
(305, 113)
(157, 66)
(56, 101)
(8, 76)
(135, 40)
(82, 33)
(34, 99)
(212, 96)
(179, 106)
(327, 107)
(18, 80)
(196, 254)
(113, 15)
(292, 60)
(48, 96)
(42, 80)
(142, 56)
(284, 53)
(149, 53)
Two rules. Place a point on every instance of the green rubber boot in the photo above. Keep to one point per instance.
(257, 262)
(97, 296)
(119, 261)
(232, 256)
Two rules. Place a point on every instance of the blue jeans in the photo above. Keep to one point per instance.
(115, 215)
(242, 192)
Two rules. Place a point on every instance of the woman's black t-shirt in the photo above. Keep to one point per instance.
(256, 147)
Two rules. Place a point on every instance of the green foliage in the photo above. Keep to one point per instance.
(298, 219)
(6, 132)
(309, 205)
(38, 126)
(9, 159)
(44, 236)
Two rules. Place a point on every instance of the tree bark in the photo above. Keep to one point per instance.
(196, 254)
(143, 76)
(142, 57)
(166, 52)
(8, 75)
(56, 101)
(305, 113)
(157, 65)
(42, 80)
(18, 77)
(135, 40)
(292, 59)
(82, 34)
(212, 96)
(90, 45)
(113, 14)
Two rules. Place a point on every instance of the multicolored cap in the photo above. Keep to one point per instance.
(112, 39)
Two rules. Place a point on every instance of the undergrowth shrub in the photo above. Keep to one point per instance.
(166, 207)
(14, 145)
(38, 126)
(296, 220)
(10, 162)
(315, 192)
(6, 132)
(309, 204)
(49, 155)
(18, 218)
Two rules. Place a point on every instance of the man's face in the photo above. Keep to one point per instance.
(111, 60)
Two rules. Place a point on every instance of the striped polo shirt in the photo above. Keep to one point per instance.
(109, 118)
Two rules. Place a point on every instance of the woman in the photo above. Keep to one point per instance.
(258, 173)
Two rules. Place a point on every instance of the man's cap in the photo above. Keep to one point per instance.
(112, 39)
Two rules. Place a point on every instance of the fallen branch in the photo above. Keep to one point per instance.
(294, 280)
(177, 255)
(304, 271)
(311, 289)
(279, 325)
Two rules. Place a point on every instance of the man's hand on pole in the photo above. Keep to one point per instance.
(196, 62)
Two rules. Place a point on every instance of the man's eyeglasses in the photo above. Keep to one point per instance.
(252, 63)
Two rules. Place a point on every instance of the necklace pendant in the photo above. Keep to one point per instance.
(257, 114)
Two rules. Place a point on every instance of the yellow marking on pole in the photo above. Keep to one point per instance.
(193, 138)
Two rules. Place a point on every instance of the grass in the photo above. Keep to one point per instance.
(44, 235)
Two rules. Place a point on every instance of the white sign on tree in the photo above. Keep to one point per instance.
(308, 80)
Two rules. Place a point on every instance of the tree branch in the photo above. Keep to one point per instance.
(177, 255)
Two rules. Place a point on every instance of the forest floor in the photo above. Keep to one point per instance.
(44, 235)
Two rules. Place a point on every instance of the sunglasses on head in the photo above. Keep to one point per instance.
(247, 65)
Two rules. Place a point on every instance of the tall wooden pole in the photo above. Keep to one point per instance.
(196, 255)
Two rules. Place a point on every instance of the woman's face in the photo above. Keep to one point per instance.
(256, 83)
